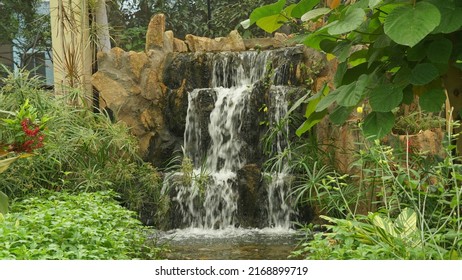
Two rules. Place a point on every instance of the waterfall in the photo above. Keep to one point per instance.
(209, 198)
(279, 209)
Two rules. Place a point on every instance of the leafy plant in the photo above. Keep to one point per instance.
(62, 226)
(371, 237)
(388, 51)
(20, 138)
(414, 210)
(85, 151)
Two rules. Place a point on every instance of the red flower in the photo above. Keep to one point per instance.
(29, 132)
(33, 138)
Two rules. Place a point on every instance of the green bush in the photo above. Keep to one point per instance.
(64, 226)
(82, 151)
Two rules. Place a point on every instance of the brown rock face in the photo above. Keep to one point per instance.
(149, 90)
(233, 42)
(179, 45)
(155, 33)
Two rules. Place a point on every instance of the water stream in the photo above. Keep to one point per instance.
(208, 203)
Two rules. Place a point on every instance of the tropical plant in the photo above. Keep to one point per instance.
(388, 51)
(62, 226)
(19, 137)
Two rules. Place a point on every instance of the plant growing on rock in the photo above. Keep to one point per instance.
(388, 51)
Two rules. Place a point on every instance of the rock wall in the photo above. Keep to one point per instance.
(148, 90)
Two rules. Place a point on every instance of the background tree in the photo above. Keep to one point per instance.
(26, 27)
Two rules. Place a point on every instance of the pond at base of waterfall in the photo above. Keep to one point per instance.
(229, 244)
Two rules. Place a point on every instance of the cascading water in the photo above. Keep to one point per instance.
(279, 210)
(223, 203)
(209, 199)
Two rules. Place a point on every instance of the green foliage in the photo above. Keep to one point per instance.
(4, 202)
(368, 237)
(409, 24)
(61, 226)
(384, 47)
(414, 204)
(417, 121)
(84, 152)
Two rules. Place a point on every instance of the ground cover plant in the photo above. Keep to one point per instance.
(62, 226)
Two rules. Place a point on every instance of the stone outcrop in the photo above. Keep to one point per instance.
(149, 90)
(233, 42)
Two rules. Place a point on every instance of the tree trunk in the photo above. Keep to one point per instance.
(102, 27)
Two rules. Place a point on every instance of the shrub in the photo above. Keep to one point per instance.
(65, 226)
(84, 151)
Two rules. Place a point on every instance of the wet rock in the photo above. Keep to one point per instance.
(251, 205)
(188, 70)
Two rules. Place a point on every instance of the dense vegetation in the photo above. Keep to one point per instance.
(398, 203)
(129, 19)
(79, 152)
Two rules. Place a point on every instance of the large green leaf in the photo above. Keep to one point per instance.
(378, 124)
(314, 100)
(406, 223)
(3, 203)
(439, 51)
(386, 224)
(385, 98)
(423, 74)
(274, 22)
(349, 20)
(417, 52)
(314, 14)
(313, 119)
(341, 70)
(351, 94)
(374, 3)
(451, 19)
(402, 76)
(340, 114)
(267, 11)
(329, 99)
(303, 6)
(408, 25)
(342, 50)
(432, 100)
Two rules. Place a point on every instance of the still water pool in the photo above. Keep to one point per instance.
(229, 244)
